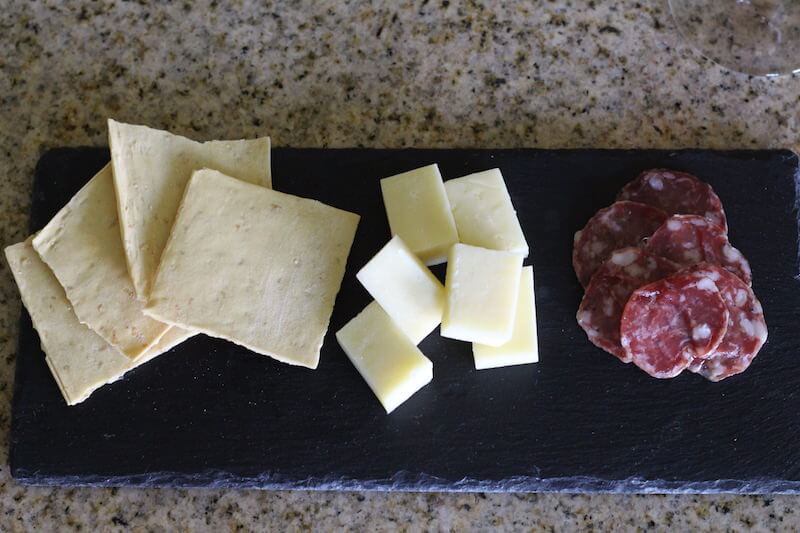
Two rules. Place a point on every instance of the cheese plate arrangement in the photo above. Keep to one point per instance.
(225, 314)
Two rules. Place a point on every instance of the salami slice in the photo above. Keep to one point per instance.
(676, 193)
(690, 239)
(695, 365)
(747, 329)
(619, 225)
(612, 284)
(667, 323)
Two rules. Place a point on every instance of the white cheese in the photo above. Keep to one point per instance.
(387, 360)
(482, 291)
(523, 347)
(405, 288)
(418, 211)
(483, 212)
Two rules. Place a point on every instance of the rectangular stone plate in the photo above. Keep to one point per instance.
(210, 413)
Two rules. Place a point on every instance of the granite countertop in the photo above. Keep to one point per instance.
(424, 73)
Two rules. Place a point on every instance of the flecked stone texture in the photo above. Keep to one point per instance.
(560, 73)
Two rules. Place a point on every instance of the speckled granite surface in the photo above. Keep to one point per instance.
(561, 73)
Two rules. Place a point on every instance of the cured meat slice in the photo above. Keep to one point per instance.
(612, 284)
(747, 329)
(619, 225)
(676, 193)
(667, 323)
(690, 239)
(695, 365)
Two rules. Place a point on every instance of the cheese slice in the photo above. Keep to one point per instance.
(389, 362)
(83, 248)
(523, 347)
(254, 266)
(483, 212)
(151, 169)
(79, 359)
(405, 288)
(482, 291)
(418, 211)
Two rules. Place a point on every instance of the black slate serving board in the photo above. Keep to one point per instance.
(210, 413)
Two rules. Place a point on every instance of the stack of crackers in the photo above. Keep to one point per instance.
(173, 238)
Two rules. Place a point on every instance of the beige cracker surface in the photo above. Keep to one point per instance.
(80, 360)
(151, 169)
(254, 266)
(82, 247)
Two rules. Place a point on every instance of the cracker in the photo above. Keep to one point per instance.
(151, 169)
(254, 266)
(79, 359)
(82, 247)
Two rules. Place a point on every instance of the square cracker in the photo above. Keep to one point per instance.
(254, 266)
(83, 248)
(151, 170)
(79, 359)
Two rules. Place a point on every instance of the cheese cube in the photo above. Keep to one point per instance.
(483, 212)
(387, 360)
(418, 211)
(408, 292)
(482, 290)
(523, 347)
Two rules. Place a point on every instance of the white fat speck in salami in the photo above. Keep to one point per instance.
(656, 182)
(746, 332)
(673, 225)
(625, 256)
(740, 298)
(617, 226)
(612, 284)
(690, 239)
(698, 221)
(676, 193)
(706, 284)
(701, 332)
(662, 334)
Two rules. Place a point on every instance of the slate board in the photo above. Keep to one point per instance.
(213, 414)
